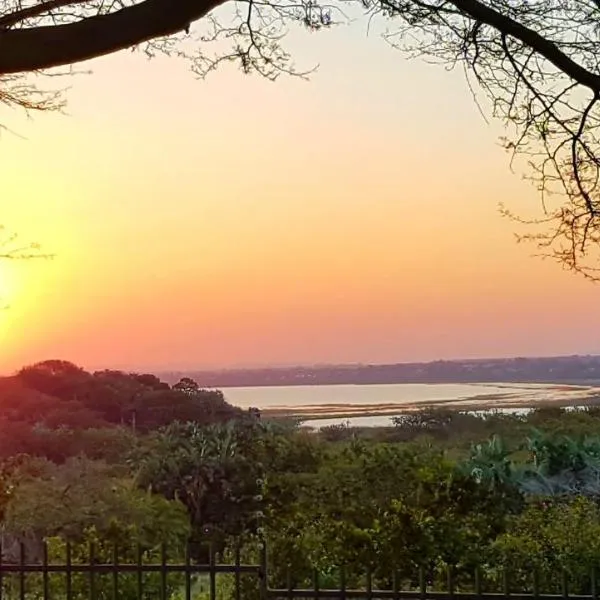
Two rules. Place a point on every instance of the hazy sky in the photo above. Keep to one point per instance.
(239, 222)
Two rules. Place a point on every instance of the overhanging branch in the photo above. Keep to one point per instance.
(36, 48)
(546, 48)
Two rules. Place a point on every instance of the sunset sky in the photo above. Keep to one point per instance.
(235, 221)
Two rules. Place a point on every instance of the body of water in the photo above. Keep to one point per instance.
(357, 403)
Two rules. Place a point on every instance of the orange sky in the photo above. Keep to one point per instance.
(240, 222)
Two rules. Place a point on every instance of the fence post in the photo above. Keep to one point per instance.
(68, 573)
(92, 565)
(115, 576)
(188, 572)
(263, 573)
(212, 575)
(22, 571)
(46, 592)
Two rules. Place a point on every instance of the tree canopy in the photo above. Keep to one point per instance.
(537, 62)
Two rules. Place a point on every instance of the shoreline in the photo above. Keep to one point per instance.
(523, 397)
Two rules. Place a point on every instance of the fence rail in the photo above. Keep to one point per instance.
(51, 579)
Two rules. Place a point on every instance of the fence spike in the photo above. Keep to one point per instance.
(92, 562)
(1, 573)
(212, 575)
(565, 584)
(396, 585)
(450, 581)
(505, 582)
(22, 573)
(238, 561)
(536, 583)
(264, 570)
(342, 582)
(46, 592)
(289, 582)
(115, 566)
(478, 582)
(188, 572)
(69, 572)
(163, 571)
(139, 572)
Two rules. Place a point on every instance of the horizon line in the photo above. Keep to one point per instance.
(280, 367)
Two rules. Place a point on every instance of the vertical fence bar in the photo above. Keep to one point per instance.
(139, 572)
(396, 585)
(100, 570)
(92, 565)
(163, 572)
(115, 567)
(264, 573)
(290, 583)
(450, 573)
(212, 572)
(536, 583)
(188, 573)
(68, 573)
(505, 582)
(22, 571)
(1, 573)
(46, 592)
(238, 581)
(564, 584)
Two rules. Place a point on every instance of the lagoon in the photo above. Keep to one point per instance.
(374, 405)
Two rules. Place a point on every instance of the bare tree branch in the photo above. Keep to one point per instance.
(533, 40)
(44, 47)
(536, 61)
(12, 249)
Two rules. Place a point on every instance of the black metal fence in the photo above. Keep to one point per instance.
(140, 575)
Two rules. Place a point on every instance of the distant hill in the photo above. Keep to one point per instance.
(560, 369)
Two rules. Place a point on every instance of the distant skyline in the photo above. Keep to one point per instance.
(233, 221)
(258, 367)
(308, 365)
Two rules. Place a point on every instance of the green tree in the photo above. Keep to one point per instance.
(556, 465)
(387, 507)
(214, 471)
(550, 539)
(81, 495)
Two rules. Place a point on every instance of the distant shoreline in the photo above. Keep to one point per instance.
(557, 370)
(582, 384)
(544, 396)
